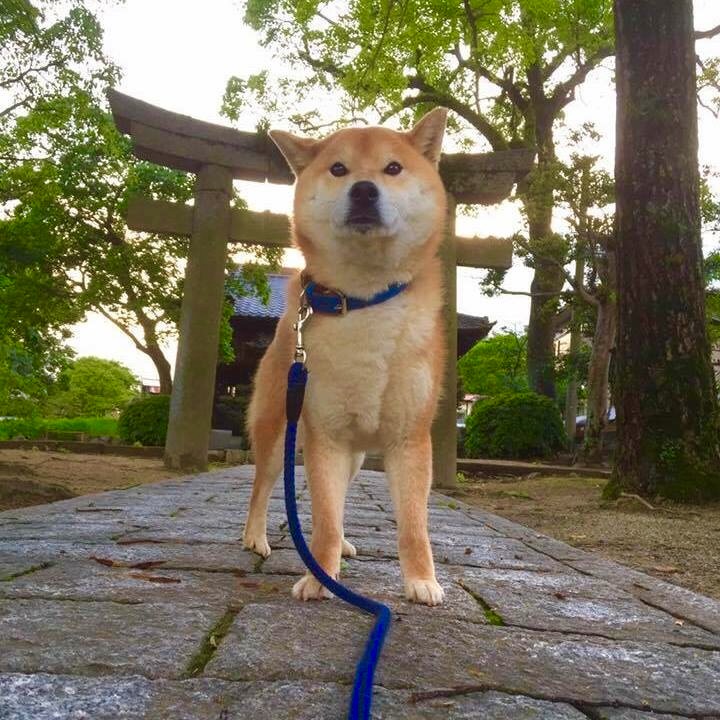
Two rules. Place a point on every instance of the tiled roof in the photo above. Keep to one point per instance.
(473, 322)
(253, 306)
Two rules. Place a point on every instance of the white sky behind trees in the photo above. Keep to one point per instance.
(179, 54)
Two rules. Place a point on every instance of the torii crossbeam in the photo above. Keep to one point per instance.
(218, 155)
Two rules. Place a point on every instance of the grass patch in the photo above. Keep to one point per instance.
(26, 571)
(491, 615)
(211, 642)
(36, 428)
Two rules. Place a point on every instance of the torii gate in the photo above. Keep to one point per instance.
(218, 155)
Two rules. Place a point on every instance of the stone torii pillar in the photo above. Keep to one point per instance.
(218, 155)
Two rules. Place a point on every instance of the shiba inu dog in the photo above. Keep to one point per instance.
(369, 212)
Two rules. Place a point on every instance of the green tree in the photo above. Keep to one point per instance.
(46, 51)
(712, 295)
(496, 365)
(91, 387)
(507, 68)
(29, 367)
(66, 179)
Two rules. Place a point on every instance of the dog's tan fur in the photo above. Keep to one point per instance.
(374, 373)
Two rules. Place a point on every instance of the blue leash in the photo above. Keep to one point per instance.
(361, 699)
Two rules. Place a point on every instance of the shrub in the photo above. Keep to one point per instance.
(145, 420)
(229, 413)
(517, 425)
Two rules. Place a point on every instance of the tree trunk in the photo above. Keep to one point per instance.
(162, 366)
(571, 400)
(545, 288)
(599, 379)
(668, 425)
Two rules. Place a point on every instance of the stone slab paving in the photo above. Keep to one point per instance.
(142, 604)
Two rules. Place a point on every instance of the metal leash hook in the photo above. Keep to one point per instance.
(304, 313)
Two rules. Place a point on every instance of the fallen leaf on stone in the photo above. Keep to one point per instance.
(104, 561)
(144, 565)
(147, 564)
(666, 569)
(560, 596)
(250, 583)
(468, 551)
(162, 579)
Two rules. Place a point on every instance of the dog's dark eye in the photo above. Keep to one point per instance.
(338, 169)
(393, 168)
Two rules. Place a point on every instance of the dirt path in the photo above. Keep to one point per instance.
(31, 477)
(679, 544)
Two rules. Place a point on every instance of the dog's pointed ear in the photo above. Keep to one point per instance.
(427, 135)
(298, 151)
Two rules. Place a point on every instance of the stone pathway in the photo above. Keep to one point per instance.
(142, 604)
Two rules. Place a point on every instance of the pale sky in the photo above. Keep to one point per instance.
(178, 54)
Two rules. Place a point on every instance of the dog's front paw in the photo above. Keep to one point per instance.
(308, 588)
(348, 549)
(257, 542)
(426, 592)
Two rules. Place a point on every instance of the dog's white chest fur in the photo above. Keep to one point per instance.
(370, 374)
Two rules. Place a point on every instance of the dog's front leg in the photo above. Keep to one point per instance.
(328, 469)
(409, 470)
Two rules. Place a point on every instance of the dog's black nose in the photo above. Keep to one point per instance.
(364, 193)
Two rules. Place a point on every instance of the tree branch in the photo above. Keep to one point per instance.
(429, 94)
(126, 330)
(705, 34)
(564, 91)
(15, 106)
(18, 78)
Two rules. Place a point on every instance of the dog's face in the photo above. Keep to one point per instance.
(368, 196)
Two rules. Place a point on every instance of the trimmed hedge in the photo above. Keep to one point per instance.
(514, 426)
(145, 420)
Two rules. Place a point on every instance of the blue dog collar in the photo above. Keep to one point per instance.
(333, 302)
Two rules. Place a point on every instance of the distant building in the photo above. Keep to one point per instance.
(149, 386)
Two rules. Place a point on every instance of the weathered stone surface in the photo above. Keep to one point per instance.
(92, 581)
(629, 714)
(683, 603)
(554, 666)
(49, 697)
(64, 636)
(559, 607)
(96, 638)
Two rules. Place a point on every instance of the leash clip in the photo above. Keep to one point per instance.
(304, 313)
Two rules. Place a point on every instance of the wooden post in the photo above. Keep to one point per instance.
(192, 396)
(444, 432)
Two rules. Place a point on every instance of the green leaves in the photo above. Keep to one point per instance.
(495, 365)
(93, 387)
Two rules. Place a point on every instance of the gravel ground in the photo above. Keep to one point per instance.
(677, 543)
(32, 477)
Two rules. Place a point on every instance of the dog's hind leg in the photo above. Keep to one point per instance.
(348, 549)
(266, 423)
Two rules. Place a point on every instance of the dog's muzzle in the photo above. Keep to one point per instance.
(363, 213)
